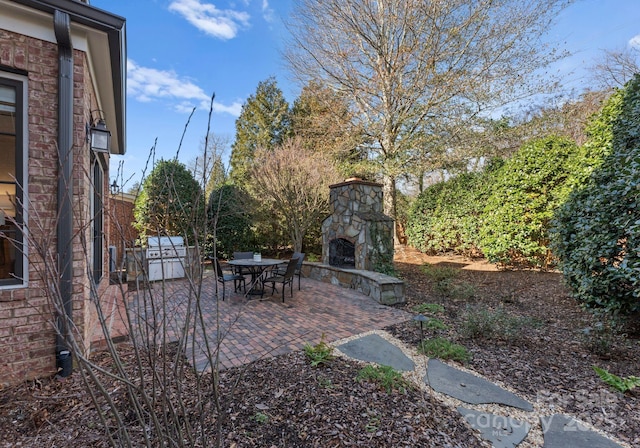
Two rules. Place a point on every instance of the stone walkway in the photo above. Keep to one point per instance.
(510, 419)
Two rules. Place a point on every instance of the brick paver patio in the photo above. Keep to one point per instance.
(249, 329)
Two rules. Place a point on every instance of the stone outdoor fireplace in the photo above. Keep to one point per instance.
(357, 234)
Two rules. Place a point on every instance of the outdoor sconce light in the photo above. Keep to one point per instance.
(114, 187)
(99, 136)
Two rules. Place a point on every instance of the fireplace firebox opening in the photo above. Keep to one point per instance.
(342, 253)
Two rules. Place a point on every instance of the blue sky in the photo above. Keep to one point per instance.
(181, 51)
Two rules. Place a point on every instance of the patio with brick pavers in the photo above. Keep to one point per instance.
(251, 328)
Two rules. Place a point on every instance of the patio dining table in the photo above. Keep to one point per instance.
(257, 269)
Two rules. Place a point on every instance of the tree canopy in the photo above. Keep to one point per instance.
(410, 68)
(170, 203)
(263, 122)
(293, 183)
(323, 120)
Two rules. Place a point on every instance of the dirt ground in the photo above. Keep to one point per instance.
(535, 344)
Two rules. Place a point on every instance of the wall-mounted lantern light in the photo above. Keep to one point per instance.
(114, 187)
(100, 137)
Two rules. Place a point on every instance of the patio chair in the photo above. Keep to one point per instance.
(300, 257)
(242, 256)
(223, 278)
(286, 278)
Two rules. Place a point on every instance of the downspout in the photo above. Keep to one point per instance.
(62, 28)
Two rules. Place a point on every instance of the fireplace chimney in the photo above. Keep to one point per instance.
(357, 234)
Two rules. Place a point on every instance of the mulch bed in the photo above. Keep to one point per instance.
(284, 401)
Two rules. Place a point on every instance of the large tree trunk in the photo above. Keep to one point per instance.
(389, 203)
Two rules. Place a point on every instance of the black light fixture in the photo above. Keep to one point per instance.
(422, 320)
(100, 137)
(114, 187)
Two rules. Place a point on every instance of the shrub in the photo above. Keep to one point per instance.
(170, 203)
(456, 290)
(439, 273)
(596, 233)
(528, 188)
(228, 213)
(444, 217)
(387, 377)
(602, 336)
(321, 353)
(444, 349)
(487, 324)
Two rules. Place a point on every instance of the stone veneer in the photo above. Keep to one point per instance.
(382, 288)
(356, 216)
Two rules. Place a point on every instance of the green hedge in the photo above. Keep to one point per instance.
(596, 233)
(525, 193)
(445, 216)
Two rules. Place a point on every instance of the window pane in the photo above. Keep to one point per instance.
(7, 110)
(98, 237)
(10, 233)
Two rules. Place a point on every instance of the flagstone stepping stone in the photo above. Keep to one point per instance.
(469, 388)
(561, 431)
(374, 348)
(501, 431)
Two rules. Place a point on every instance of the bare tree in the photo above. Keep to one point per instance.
(293, 182)
(208, 167)
(615, 68)
(407, 64)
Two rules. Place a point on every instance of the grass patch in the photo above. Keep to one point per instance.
(456, 290)
(428, 308)
(386, 377)
(435, 324)
(439, 273)
(444, 349)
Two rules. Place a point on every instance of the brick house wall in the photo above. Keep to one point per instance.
(27, 334)
(122, 234)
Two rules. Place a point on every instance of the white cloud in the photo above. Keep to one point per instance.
(635, 42)
(267, 13)
(234, 109)
(223, 24)
(149, 84)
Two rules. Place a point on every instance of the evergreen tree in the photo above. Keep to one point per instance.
(263, 122)
(321, 118)
(170, 203)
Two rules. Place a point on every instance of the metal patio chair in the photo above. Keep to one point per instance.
(284, 279)
(223, 278)
(300, 257)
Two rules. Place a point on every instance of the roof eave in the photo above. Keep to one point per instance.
(114, 26)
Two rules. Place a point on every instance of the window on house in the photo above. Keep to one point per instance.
(13, 143)
(98, 219)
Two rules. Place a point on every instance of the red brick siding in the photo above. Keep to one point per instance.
(122, 234)
(27, 337)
